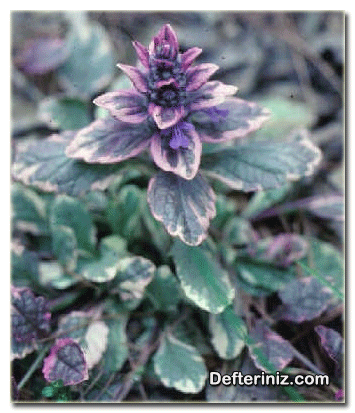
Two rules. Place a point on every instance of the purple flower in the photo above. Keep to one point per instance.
(173, 108)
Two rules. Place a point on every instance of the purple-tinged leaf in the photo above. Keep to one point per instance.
(277, 350)
(20, 349)
(138, 79)
(42, 55)
(211, 94)
(189, 56)
(281, 250)
(198, 75)
(332, 342)
(125, 105)
(88, 331)
(66, 362)
(304, 299)
(166, 117)
(166, 40)
(240, 118)
(326, 206)
(182, 160)
(108, 141)
(142, 53)
(43, 163)
(185, 207)
(29, 315)
(263, 165)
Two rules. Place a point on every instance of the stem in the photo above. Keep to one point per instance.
(33, 367)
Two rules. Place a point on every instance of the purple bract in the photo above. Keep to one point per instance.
(173, 108)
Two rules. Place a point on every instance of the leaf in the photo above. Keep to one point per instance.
(88, 42)
(64, 112)
(286, 115)
(281, 250)
(277, 350)
(226, 329)
(43, 163)
(156, 232)
(164, 291)
(263, 165)
(104, 268)
(41, 55)
(202, 278)
(238, 231)
(327, 206)
(332, 342)
(24, 266)
(29, 315)
(28, 210)
(117, 344)
(304, 299)
(70, 212)
(124, 212)
(133, 276)
(65, 246)
(66, 362)
(264, 276)
(225, 209)
(263, 200)
(179, 365)
(185, 207)
(327, 264)
(89, 332)
(51, 274)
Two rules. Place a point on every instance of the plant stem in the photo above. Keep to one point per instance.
(33, 367)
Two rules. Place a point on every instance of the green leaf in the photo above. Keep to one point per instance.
(180, 366)
(44, 164)
(64, 112)
(124, 212)
(24, 266)
(263, 200)
(90, 67)
(326, 263)
(225, 209)
(202, 278)
(105, 267)
(70, 212)
(238, 231)
(133, 276)
(51, 274)
(117, 345)
(225, 330)
(263, 165)
(164, 291)
(286, 115)
(28, 210)
(65, 246)
(266, 277)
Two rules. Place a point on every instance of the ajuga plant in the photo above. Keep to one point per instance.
(135, 273)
